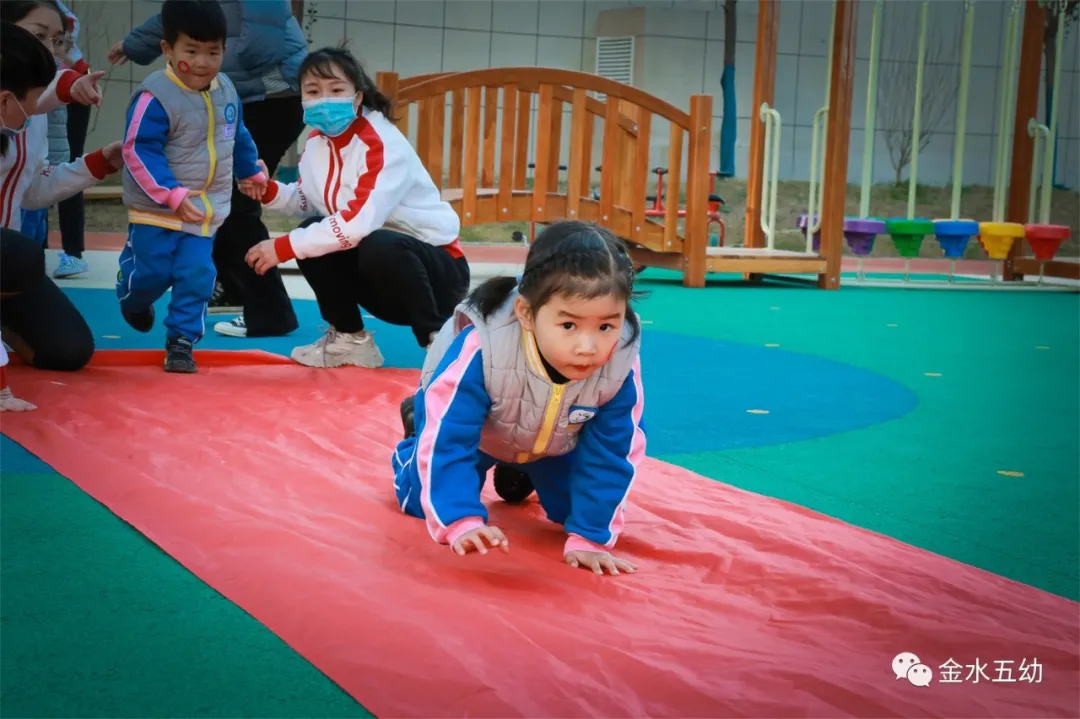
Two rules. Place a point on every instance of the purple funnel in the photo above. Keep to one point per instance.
(804, 221)
(861, 232)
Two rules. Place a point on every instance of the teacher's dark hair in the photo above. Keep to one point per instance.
(25, 65)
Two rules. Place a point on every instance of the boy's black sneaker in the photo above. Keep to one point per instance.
(140, 321)
(511, 484)
(178, 356)
(407, 415)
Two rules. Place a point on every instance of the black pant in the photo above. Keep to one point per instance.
(36, 318)
(72, 215)
(396, 278)
(274, 125)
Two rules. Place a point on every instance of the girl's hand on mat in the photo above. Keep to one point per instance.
(599, 562)
(189, 212)
(474, 540)
(262, 257)
(11, 403)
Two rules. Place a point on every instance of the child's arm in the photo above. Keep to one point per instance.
(54, 183)
(145, 137)
(288, 198)
(455, 408)
(8, 401)
(386, 179)
(57, 93)
(245, 154)
(606, 460)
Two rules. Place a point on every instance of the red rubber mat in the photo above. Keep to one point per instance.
(272, 483)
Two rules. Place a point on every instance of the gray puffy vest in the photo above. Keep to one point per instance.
(199, 150)
(531, 417)
(59, 147)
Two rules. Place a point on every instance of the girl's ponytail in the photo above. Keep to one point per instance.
(491, 295)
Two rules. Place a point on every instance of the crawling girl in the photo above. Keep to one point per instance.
(540, 378)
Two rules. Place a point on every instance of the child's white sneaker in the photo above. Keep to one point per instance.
(336, 349)
(233, 328)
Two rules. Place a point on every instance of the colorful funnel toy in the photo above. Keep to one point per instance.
(953, 236)
(908, 235)
(803, 223)
(997, 238)
(860, 234)
(1046, 239)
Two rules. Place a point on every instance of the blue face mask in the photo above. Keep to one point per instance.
(330, 115)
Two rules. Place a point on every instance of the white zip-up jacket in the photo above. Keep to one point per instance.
(28, 181)
(365, 179)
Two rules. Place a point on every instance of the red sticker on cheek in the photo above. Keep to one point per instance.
(183, 66)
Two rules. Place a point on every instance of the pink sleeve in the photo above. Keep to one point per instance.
(460, 527)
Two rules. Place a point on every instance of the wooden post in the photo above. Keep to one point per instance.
(388, 82)
(1023, 144)
(764, 89)
(837, 138)
(697, 191)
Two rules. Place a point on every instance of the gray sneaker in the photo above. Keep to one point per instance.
(336, 349)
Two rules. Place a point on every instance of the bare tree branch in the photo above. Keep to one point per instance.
(897, 75)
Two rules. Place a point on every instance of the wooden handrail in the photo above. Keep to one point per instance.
(528, 77)
(562, 94)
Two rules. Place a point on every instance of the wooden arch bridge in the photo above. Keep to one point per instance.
(476, 134)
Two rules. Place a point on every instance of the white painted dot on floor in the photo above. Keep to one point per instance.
(1010, 473)
(1041, 347)
(368, 317)
(646, 322)
(892, 325)
(932, 374)
(111, 337)
(774, 308)
(757, 411)
(771, 344)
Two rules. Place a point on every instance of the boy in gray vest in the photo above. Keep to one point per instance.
(540, 379)
(184, 141)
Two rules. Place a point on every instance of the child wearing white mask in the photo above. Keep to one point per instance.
(378, 236)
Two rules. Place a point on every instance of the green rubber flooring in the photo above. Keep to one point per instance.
(95, 621)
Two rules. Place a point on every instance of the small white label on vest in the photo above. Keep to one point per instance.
(229, 131)
(581, 415)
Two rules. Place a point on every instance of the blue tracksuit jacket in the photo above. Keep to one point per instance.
(159, 256)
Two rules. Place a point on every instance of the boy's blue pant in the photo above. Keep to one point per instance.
(35, 224)
(155, 259)
(550, 477)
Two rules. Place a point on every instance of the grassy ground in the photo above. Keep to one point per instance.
(886, 201)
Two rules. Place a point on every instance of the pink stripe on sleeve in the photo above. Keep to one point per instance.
(135, 165)
(437, 401)
(636, 455)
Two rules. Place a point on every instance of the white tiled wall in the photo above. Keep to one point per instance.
(683, 54)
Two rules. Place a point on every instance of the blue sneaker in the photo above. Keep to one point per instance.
(70, 266)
